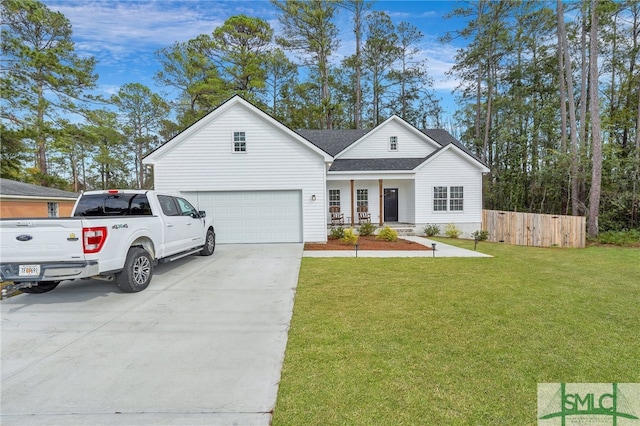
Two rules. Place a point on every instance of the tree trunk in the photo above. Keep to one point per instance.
(41, 139)
(582, 141)
(357, 112)
(483, 154)
(563, 88)
(563, 45)
(596, 137)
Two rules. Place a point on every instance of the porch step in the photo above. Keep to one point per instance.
(405, 231)
(402, 229)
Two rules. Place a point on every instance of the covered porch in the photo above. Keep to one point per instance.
(387, 200)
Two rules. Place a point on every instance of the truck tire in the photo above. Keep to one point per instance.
(209, 244)
(42, 287)
(137, 272)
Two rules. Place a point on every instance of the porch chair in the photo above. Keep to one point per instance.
(363, 214)
(337, 218)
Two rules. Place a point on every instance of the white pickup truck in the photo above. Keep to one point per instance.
(114, 235)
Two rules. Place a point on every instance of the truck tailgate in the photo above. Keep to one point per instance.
(41, 240)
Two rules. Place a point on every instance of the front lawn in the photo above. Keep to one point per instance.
(456, 340)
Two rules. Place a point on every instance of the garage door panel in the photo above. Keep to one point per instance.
(254, 216)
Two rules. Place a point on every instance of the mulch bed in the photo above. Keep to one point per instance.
(367, 243)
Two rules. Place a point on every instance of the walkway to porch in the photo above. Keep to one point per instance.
(442, 250)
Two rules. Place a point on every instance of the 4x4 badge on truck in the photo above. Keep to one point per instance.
(24, 237)
(72, 237)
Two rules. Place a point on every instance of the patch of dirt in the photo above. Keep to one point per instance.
(367, 243)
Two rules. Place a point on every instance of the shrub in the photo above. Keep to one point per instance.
(452, 231)
(431, 230)
(480, 235)
(620, 238)
(367, 228)
(350, 237)
(387, 234)
(336, 233)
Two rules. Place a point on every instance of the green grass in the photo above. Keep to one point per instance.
(456, 341)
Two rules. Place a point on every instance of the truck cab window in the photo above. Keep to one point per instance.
(186, 208)
(168, 205)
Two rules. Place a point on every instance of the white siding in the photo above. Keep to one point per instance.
(376, 144)
(273, 161)
(449, 169)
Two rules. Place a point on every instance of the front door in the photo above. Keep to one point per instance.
(391, 204)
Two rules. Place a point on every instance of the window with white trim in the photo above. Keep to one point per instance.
(334, 197)
(393, 143)
(239, 142)
(448, 199)
(362, 197)
(456, 198)
(439, 198)
(53, 209)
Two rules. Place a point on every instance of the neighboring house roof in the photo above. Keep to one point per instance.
(12, 188)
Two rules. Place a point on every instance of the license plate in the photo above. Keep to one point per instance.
(29, 270)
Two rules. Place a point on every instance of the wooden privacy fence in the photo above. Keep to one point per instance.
(530, 229)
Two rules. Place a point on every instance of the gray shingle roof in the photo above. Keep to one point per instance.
(444, 138)
(332, 141)
(376, 164)
(12, 187)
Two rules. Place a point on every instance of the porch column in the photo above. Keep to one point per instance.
(381, 201)
(353, 202)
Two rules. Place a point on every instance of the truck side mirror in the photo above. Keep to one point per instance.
(202, 213)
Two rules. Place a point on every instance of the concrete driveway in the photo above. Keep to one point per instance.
(204, 344)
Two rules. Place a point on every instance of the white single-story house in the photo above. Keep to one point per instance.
(264, 182)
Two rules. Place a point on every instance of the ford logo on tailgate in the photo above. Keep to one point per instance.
(24, 237)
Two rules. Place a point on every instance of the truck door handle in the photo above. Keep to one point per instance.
(169, 225)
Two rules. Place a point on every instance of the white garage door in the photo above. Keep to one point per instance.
(253, 216)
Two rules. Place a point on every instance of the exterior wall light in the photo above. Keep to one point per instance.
(313, 197)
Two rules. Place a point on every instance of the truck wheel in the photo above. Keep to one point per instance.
(137, 272)
(42, 287)
(209, 244)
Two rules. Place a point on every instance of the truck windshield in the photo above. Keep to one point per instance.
(113, 205)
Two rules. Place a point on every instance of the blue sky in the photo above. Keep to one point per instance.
(123, 35)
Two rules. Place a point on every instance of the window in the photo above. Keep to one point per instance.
(168, 205)
(456, 199)
(334, 197)
(239, 142)
(100, 205)
(440, 198)
(186, 209)
(451, 198)
(393, 143)
(53, 209)
(362, 197)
